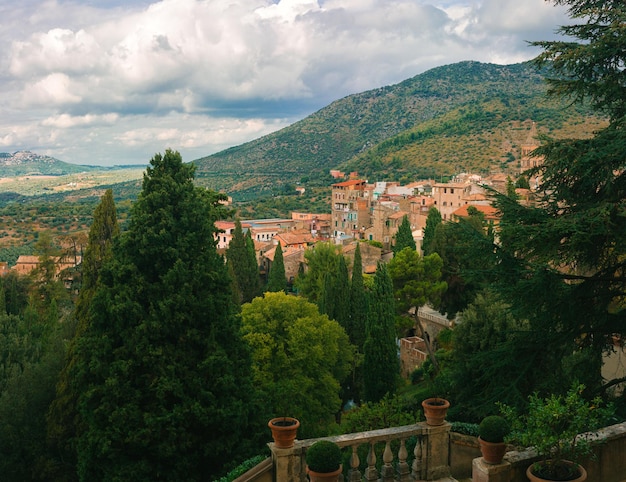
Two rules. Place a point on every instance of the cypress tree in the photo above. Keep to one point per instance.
(61, 415)
(241, 256)
(432, 221)
(358, 303)
(342, 294)
(162, 371)
(380, 362)
(404, 236)
(277, 280)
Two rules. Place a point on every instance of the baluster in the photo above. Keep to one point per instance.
(418, 462)
(355, 473)
(371, 474)
(387, 474)
(404, 473)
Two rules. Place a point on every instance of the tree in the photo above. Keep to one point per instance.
(242, 259)
(277, 280)
(358, 303)
(62, 412)
(417, 281)
(321, 259)
(404, 236)
(162, 372)
(300, 358)
(561, 263)
(432, 221)
(466, 250)
(380, 360)
(483, 349)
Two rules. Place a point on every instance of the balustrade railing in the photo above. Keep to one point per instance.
(398, 454)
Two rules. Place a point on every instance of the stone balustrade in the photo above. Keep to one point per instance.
(395, 462)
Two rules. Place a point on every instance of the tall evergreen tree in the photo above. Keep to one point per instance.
(356, 327)
(241, 257)
(277, 280)
(380, 362)
(341, 296)
(404, 236)
(432, 221)
(162, 371)
(63, 410)
(561, 263)
(358, 303)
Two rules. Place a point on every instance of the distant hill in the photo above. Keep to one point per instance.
(21, 163)
(467, 116)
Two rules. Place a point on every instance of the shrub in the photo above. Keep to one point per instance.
(323, 456)
(465, 428)
(493, 429)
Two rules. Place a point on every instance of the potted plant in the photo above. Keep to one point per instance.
(435, 410)
(557, 427)
(284, 431)
(323, 460)
(491, 433)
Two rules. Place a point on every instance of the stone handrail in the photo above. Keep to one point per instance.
(428, 461)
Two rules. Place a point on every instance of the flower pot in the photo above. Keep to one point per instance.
(284, 431)
(533, 475)
(492, 452)
(435, 410)
(324, 476)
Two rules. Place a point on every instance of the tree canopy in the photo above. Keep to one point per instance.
(300, 357)
(404, 236)
(561, 263)
(162, 372)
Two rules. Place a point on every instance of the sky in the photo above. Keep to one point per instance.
(111, 82)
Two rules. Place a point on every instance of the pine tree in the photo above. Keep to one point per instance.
(277, 280)
(380, 351)
(404, 236)
(432, 221)
(561, 263)
(162, 371)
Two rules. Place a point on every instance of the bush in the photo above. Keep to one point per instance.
(493, 429)
(323, 456)
(465, 428)
(242, 468)
(417, 376)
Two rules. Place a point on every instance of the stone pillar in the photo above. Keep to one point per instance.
(288, 464)
(483, 472)
(437, 451)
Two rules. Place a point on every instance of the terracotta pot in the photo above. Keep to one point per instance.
(435, 410)
(534, 478)
(324, 476)
(493, 452)
(284, 431)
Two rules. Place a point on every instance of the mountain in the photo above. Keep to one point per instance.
(467, 116)
(21, 163)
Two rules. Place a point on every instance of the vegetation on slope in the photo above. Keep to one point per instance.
(467, 116)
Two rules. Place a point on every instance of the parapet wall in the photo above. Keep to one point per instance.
(607, 465)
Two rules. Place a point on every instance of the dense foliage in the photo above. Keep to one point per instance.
(300, 357)
(163, 375)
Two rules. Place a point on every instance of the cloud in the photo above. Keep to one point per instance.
(249, 65)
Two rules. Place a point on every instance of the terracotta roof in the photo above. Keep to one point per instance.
(489, 211)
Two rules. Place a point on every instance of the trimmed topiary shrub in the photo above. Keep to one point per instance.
(323, 456)
(493, 429)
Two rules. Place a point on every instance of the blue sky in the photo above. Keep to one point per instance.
(114, 81)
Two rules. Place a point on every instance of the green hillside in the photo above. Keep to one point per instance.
(467, 116)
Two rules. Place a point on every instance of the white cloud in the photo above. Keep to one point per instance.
(136, 72)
